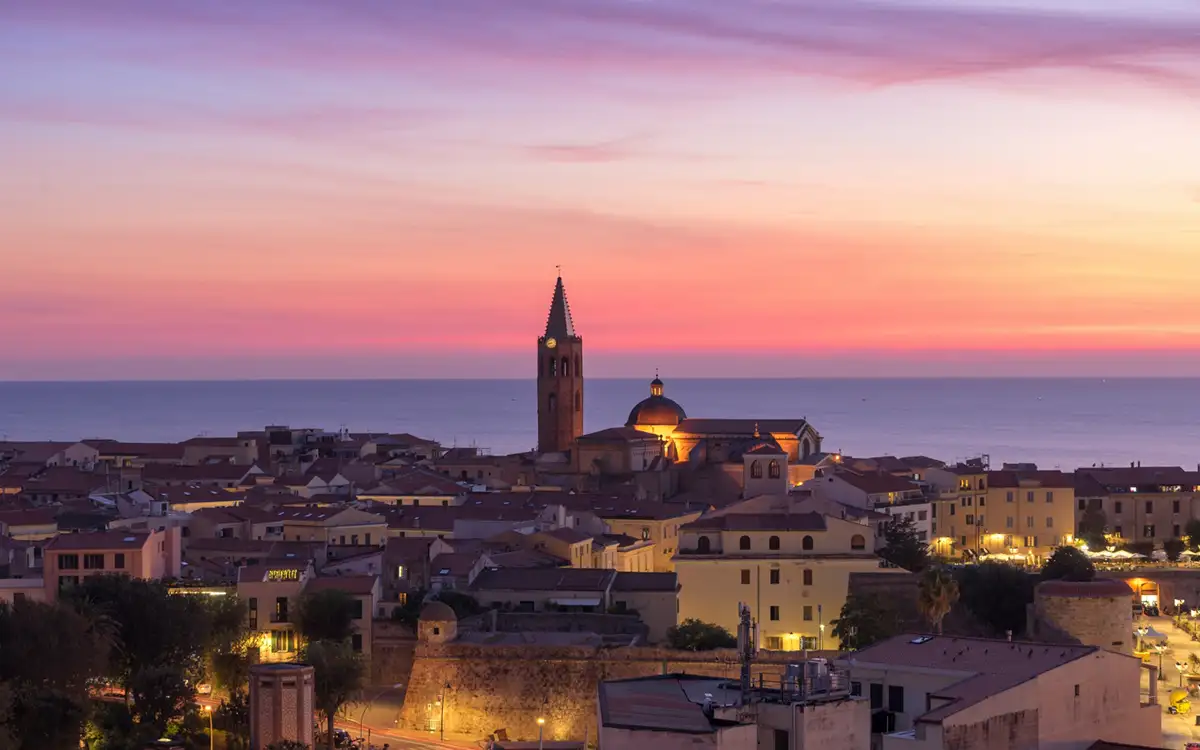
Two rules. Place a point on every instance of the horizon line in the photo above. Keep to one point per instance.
(639, 379)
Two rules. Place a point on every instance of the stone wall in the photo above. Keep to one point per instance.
(393, 647)
(556, 622)
(1095, 613)
(1014, 731)
(509, 687)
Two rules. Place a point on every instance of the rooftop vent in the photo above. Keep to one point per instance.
(130, 539)
(921, 639)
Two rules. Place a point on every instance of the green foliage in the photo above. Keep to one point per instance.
(326, 615)
(160, 694)
(696, 635)
(233, 717)
(1191, 530)
(996, 594)
(50, 653)
(463, 605)
(1068, 564)
(902, 547)
(8, 737)
(410, 613)
(1174, 548)
(1092, 526)
(338, 674)
(937, 594)
(865, 619)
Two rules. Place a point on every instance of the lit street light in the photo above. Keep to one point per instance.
(541, 724)
(208, 710)
(1182, 671)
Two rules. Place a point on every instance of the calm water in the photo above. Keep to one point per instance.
(1055, 422)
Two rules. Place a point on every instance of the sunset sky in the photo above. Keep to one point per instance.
(383, 188)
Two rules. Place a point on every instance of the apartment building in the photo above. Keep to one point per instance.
(791, 569)
(367, 594)
(1029, 512)
(69, 558)
(272, 592)
(1140, 503)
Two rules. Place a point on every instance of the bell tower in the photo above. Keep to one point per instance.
(559, 378)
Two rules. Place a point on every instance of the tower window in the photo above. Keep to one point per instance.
(566, 365)
(773, 469)
(553, 367)
(755, 470)
(806, 543)
(744, 543)
(773, 543)
(552, 401)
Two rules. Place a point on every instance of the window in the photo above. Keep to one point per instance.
(1148, 531)
(553, 367)
(281, 609)
(744, 542)
(367, 538)
(93, 562)
(356, 642)
(703, 546)
(1049, 497)
(358, 609)
(1077, 691)
(1008, 522)
(755, 470)
(253, 613)
(966, 501)
(982, 501)
(1149, 507)
(952, 509)
(399, 571)
(808, 613)
(119, 561)
(896, 698)
(354, 539)
(774, 643)
(1175, 531)
(566, 367)
(774, 576)
(806, 543)
(1029, 496)
(1008, 496)
(1082, 504)
(773, 543)
(856, 688)
(858, 541)
(1174, 506)
(1117, 530)
(745, 578)
(922, 515)
(773, 469)
(578, 402)
(970, 520)
(775, 612)
(876, 695)
(402, 597)
(1117, 506)
(68, 562)
(1029, 522)
(552, 402)
(1049, 522)
(962, 540)
(808, 577)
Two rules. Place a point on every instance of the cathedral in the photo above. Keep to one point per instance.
(746, 456)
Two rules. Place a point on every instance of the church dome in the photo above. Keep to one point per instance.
(657, 410)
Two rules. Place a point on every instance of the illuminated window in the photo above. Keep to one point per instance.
(402, 598)
(755, 470)
(773, 469)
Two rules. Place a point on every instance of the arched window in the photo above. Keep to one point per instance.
(578, 401)
(807, 543)
(566, 366)
(755, 470)
(703, 546)
(552, 402)
(773, 469)
(553, 368)
(807, 577)
(806, 448)
(773, 543)
(744, 543)
(858, 541)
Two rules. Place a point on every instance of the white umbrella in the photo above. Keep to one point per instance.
(1124, 554)
(1190, 553)
(1153, 635)
(1105, 554)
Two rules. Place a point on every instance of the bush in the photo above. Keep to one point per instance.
(696, 635)
(1068, 564)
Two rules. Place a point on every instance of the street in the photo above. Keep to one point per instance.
(1177, 730)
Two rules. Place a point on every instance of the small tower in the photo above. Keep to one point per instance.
(281, 704)
(559, 378)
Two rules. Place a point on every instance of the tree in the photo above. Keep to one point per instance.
(937, 594)
(697, 635)
(464, 605)
(996, 594)
(865, 619)
(1092, 526)
(1191, 530)
(409, 613)
(326, 615)
(1174, 548)
(337, 677)
(160, 694)
(1068, 564)
(902, 547)
(50, 655)
(233, 718)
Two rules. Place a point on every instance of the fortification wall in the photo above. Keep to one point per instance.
(506, 687)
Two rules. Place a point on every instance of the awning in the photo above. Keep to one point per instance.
(576, 602)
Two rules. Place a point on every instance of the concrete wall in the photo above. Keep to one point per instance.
(494, 687)
(728, 738)
(836, 725)
(1012, 731)
(1106, 622)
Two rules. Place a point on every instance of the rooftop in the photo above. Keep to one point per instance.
(666, 582)
(666, 703)
(353, 585)
(545, 579)
(783, 521)
(99, 540)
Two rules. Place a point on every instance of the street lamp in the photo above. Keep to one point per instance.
(442, 721)
(1160, 648)
(1141, 633)
(208, 710)
(1182, 668)
(374, 698)
(820, 636)
(541, 724)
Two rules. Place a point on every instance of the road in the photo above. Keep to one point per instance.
(1177, 731)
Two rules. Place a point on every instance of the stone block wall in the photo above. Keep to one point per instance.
(509, 687)
(1014, 731)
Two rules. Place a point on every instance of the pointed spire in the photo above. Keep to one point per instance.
(559, 324)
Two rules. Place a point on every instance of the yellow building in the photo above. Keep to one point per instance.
(791, 569)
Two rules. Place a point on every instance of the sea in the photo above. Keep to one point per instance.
(1056, 423)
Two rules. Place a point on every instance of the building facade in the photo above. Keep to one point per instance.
(559, 378)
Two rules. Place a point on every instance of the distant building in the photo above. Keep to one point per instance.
(150, 555)
(559, 378)
(1140, 503)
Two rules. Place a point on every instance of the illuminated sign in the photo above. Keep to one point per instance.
(283, 575)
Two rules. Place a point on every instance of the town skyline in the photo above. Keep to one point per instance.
(773, 189)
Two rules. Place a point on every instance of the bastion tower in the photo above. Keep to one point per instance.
(559, 378)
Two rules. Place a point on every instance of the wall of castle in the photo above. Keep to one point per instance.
(1105, 622)
(501, 687)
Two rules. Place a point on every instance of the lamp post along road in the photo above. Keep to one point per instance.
(541, 725)
(208, 710)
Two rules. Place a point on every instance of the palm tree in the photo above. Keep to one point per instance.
(938, 593)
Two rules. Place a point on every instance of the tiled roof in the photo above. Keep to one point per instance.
(544, 579)
(1041, 478)
(405, 548)
(874, 483)
(193, 494)
(570, 536)
(160, 451)
(759, 522)
(29, 517)
(224, 472)
(617, 434)
(453, 563)
(741, 427)
(665, 703)
(646, 582)
(766, 449)
(122, 539)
